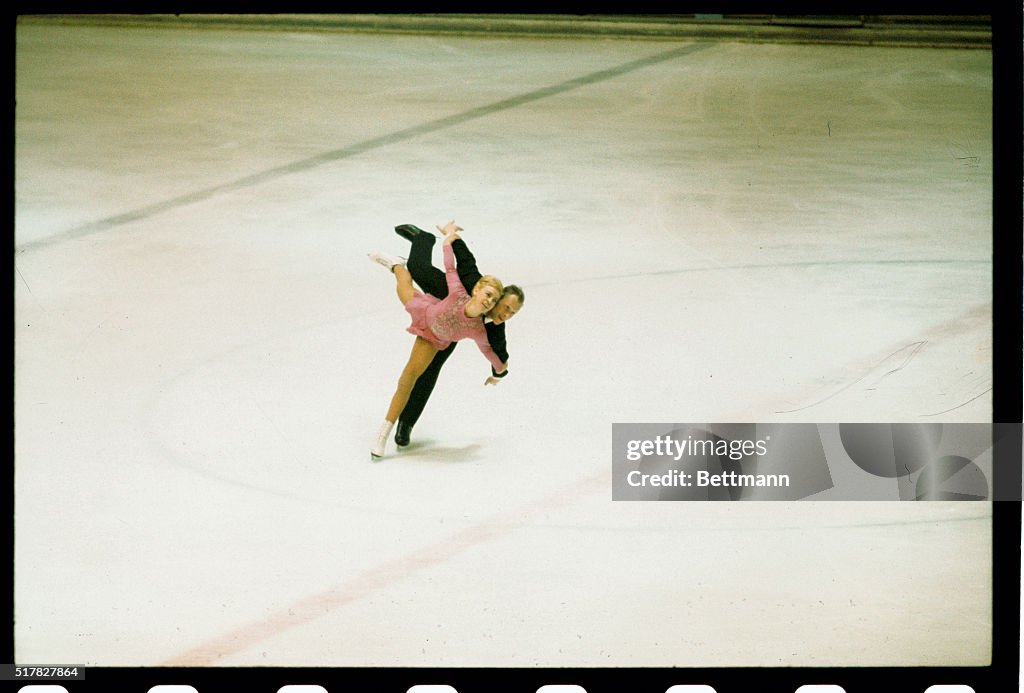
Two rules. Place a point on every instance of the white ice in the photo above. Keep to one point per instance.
(738, 232)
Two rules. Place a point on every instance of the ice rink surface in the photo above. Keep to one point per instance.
(705, 232)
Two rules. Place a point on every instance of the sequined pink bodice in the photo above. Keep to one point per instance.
(442, 322)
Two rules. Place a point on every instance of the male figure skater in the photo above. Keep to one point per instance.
(432, 281)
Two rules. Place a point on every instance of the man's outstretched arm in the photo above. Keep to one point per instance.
(465, 264)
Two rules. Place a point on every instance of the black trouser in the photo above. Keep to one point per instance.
(432, 281)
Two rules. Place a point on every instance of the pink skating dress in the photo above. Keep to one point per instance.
(442, 322)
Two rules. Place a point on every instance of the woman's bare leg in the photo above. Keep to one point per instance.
(421, 356)
(404, 284)
(402, 277)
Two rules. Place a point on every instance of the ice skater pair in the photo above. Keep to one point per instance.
(460, 303)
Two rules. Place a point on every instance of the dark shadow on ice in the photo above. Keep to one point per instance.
(426, 451)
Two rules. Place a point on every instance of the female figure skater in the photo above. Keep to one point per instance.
(437, 323)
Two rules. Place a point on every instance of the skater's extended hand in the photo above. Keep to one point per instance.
(491, 380)
(449, 228)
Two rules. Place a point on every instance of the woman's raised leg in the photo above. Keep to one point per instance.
(403, 281)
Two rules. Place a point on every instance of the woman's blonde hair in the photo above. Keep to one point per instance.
(488, 280)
